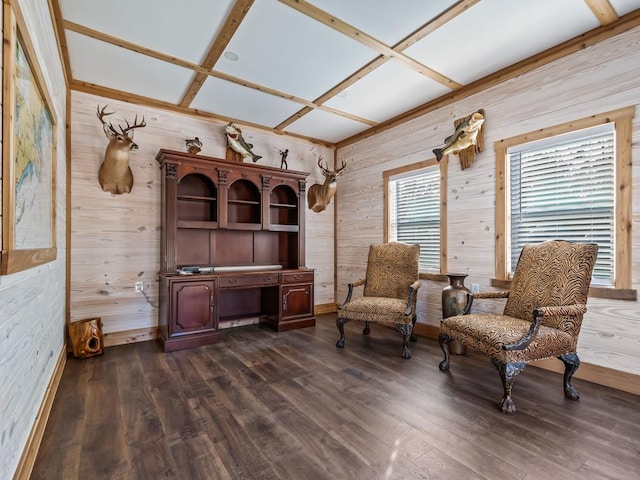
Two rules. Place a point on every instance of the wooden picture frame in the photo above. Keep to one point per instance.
(28, 154)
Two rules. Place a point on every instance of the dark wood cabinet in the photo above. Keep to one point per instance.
(241, 228)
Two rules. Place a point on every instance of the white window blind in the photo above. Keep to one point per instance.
(415, 213)
(563, 188)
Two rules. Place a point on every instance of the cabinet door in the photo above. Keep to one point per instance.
(193, 307)
(297, 301)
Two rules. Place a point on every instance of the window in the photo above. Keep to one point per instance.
(570, 181)
(563, 187)
(414, 211)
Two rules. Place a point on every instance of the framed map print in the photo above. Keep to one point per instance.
(28, 156)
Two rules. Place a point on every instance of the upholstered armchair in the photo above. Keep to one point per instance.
(389, 295)
(541, 319)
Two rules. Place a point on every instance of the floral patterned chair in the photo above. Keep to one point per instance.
(390, 292)
(541, 319)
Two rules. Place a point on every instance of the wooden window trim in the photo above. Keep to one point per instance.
(387, 174)
(622, 120)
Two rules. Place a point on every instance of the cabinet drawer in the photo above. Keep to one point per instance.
(249, 280)
(299, 277)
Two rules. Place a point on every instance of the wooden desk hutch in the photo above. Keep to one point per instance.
(232, 249)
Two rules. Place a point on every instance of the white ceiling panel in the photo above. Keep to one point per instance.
(386, 21)
(104, 64)
(396, 88)
(622, 7)
(285, 50)
(181, 29)
(235, 101)
(325, 125)
(293, 47)
(494, 34)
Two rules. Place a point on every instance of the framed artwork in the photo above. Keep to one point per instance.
(28, 155)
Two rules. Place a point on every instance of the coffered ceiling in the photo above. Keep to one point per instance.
(328, 70)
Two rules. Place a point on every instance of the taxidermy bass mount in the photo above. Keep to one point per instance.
(319, 196)
(466, 140)
(237, 144)
(115, 175)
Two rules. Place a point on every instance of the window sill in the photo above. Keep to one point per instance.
(610, 293)
(434, 277)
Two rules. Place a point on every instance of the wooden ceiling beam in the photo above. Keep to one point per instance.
(335, 90)
(199, 69)
(406, 42)
(598, 34)
(367, 40)
(445, 17)
(603, 10)
(101, 91)
(231, 24)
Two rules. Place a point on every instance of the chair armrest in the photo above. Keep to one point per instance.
(350, 286)
(563, 311)
(411, 296)
(538, 313)
(526, 339)
(497, 294)
(483, 295)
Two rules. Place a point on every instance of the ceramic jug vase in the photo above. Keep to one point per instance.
(456, 300)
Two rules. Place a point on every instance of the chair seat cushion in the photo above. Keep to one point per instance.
(488, 332)
(376, 309)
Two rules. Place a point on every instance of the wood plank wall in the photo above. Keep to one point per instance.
(115, 239)
(32, 302)
(595, 80)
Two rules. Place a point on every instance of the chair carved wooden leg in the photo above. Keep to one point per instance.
(571, 365)
(444, 345)
(366, 330)
(340, 324)
(414, 337)
(508, 372)
(405, 329)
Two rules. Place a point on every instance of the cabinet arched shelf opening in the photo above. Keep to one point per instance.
(244, 203)
(283, 208)
(196, 199)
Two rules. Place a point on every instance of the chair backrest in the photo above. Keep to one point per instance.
(552, 273)
(391, 268)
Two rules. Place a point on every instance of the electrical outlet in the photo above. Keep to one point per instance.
(475, 287)
(139, 286)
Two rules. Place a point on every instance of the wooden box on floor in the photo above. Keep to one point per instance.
(86, 338)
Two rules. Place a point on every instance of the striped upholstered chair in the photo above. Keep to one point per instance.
(390, 292)
(541, 319)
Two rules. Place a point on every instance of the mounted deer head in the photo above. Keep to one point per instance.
(319, 196)
(115, 175)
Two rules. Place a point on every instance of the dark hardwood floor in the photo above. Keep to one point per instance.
(267, 405)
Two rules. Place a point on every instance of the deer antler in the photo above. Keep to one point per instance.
(105, 125)
(325, 171)
(135, 125)
(339, 171)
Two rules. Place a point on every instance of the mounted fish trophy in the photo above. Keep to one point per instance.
(466, 141)
(115, 175)
(319, 196)
(237, 148)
